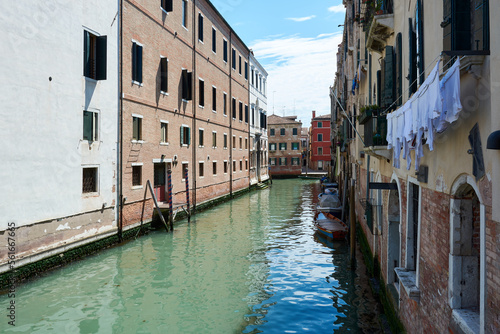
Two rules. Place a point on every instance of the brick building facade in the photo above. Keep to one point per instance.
(425, 194)
(285, 153)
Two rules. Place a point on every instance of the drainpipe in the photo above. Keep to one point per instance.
(230, 49)
(120, 125)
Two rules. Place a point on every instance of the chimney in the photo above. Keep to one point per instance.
(314, 113)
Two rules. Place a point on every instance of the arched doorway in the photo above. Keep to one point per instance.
(466, 271)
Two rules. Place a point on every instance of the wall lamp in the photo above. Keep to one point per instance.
(493, 142)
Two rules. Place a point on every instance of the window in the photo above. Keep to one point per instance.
(225, 141)
(320, 150)
(225, 51)
(201, 139)
(224, 102)
(320, 137)
(234, 166)
(214, 98)
(214, 167)
(271, 132)
(225, 166)
(164, 132)
(320, 124)
(136, 62)
(136, 176)
(253, 80)
(233, 59)
(185, 13)
(282, 131)
(214, 40)
(234, 142)
(241, 111)
(89, 180)
(282, 161)
(234, 108)
(94, 56)
(167, 5)
(272, 147)
(185, 135)
(164, 74)
(294, 131)
(295, 161)
(253, 116)
(187, 84)
(241, 143)
(239, 64)
(246, 143)
(295, 146)
(241, 165)
(214, 139)
(185, 167)
(90, 126)
(282, 146)
(413, 227)
(136, 128)
(272, 161)
(202, 92)
(200, 27)
(246, 113)
(246, 70)
(201, 169)
(246, 164)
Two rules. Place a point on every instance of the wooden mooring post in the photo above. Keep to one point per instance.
(352, 223)
(186, 176)
(170, 202)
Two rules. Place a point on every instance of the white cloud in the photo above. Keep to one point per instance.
(301, 70)
(301, 19)
(337, 9)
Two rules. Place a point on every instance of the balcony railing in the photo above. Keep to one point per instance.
(376, 131)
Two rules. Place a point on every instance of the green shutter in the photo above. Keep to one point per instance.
(420, 27)
(101, 52)
(399, 69)
(139, 63)
(86, 53)
(388, 76)
(182, 135)
(164, 74)
(134, 61)
(87, 125)
(188, 136)
(412, 57)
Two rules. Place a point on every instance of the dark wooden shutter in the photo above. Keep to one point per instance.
(187, 82)
(241, 111)
(379, 85)
(169, 5)
(189, 86)
(136, 62)
(86, 53)
(412, 57)
(225, 50)
(234, 108)
(200, 27)
(164, 74)
(202, 93)
(246, 114)
(388, 76)
(399, 69)
(420, 27)
(101, 59)
(214, 40)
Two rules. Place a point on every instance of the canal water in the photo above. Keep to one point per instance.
(251, 265)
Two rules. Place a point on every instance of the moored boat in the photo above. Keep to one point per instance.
(330, 226)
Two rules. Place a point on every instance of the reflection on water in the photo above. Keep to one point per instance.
(253, 265)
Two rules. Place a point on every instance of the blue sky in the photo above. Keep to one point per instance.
(296, 42)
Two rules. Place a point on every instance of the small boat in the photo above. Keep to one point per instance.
(330, 226)
(330, 203)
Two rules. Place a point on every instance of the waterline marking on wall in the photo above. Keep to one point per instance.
(11, 246)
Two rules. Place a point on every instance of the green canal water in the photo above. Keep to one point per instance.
(252, 265)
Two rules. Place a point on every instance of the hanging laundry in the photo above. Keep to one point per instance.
(450, 93)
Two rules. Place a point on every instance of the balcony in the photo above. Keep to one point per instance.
(381, 26)
(375, 130)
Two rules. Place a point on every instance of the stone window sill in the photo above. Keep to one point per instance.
(467, 320)
(408, 280)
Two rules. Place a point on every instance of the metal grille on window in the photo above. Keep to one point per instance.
(89, 184)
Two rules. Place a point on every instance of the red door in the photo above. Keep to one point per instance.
(159, 184)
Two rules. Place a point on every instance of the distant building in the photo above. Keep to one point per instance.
(258, 122)
(320, 142)
(284, 145)
(304, 141)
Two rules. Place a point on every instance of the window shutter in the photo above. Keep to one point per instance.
(101, 52)
(399, 69)
(139, 63)
(86, 53)
(420, 27)
(246, 113)
(87, 125)
(169, 5)
(461, 25)
(134, 61)
(182, 135)
(189, 83)
(164, 74)
(412, 56)
(379, 85)
(188, 136)
(475, 143)
(202, 93)
(214, 40)
(389, 76)
(200, 27)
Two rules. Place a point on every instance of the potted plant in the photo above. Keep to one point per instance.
(366, 112)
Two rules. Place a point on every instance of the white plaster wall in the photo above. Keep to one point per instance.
(42, 121)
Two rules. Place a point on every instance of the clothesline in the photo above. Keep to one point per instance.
(411, 84)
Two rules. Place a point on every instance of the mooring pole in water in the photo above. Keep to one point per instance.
(186, 176)
(170, 204)
(352, 223)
